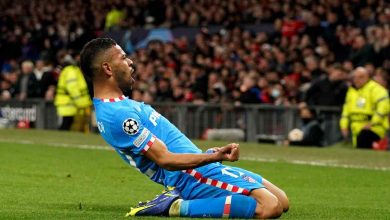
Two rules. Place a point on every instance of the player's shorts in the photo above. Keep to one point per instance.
(217, 180)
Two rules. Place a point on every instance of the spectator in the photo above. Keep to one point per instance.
(365, 111)
(28, 85)
(48, 81)
(329, 90)
(250, 93)
(383, 78)
(8, 84)
(164, 92)
(362, 53)
(310, 133)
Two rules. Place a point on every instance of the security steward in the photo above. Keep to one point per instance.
(365, 111)
(72, 99)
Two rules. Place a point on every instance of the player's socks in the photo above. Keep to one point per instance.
(234, 206)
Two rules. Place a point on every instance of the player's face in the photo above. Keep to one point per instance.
(123, 69)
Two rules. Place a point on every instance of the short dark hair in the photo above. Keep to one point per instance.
(89, 52)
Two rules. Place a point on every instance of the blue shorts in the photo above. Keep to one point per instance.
(217, 180)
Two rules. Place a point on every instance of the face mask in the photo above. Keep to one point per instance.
(306, 120)
(275, 93)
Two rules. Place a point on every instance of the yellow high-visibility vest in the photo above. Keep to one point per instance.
(72, 92)
(369, 104)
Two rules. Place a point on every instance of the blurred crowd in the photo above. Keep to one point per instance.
(307, 58)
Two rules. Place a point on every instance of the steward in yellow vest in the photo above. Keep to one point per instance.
(72, 96)
(365, 111)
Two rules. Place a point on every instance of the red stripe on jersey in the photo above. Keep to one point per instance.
(226, 208)
(122, 97)
(197, 176)
(146, 148)
(151, 141)
(226, 211)
(215, 183)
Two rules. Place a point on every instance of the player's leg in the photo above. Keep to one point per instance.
(260, 204)
(280, 194)
(221, 189)
(232, 206)
(268, 205)
(170, 204)
(237, 181)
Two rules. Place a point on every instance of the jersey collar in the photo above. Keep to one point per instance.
(120, 98)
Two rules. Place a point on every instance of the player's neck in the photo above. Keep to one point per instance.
(105, 91)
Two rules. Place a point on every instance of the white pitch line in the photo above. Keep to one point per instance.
(81, 146)
(78, 146)
(259, 159)
(318, 163)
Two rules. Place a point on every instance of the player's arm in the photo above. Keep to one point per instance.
(159, 153)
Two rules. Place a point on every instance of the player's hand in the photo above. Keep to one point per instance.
(213, 150)
(230, 152)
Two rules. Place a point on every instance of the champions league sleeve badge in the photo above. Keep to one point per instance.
(130, 126)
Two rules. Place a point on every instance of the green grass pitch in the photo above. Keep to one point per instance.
(65, 175)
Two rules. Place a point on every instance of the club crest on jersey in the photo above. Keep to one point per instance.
(248, 178)
(130, 126)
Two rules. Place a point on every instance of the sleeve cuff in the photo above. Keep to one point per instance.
(149, 144)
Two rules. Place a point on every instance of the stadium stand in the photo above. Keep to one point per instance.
(232, 51)
(307, 37)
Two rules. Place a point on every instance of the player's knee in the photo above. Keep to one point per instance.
(269, 209)
(274, 209)
(284, 201)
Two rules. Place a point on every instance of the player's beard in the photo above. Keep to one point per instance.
(125, 80)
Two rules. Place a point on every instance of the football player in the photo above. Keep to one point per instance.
(203, 187)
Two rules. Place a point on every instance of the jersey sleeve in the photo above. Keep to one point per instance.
(381, 106)
(129, 132)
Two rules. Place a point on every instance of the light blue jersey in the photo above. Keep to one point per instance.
(131, 128)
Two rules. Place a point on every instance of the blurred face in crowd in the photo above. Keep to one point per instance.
(27, 67)
(122, 68)
(359, 42)
(39, 64)
(336, 74)
(360, 77)
(276, 91)
(381, 77)
(248, 82)
(137, 95)
(305, 113)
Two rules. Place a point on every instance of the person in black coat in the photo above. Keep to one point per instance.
(329, 90)
(310, 133)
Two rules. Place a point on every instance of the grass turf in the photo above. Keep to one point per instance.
(64, 175)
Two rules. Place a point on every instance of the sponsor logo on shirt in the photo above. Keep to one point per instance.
(141, 138)
(153, 117)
